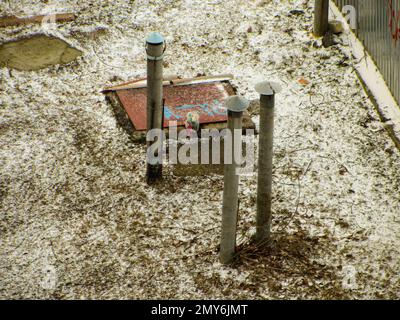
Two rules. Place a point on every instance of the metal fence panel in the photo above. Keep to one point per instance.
(378, 27)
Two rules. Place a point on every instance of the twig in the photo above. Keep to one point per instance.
(298, 196)
(296, 210)
(15, 21)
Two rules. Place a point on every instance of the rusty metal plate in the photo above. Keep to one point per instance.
(206, 99)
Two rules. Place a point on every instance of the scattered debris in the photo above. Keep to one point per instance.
(297, 12)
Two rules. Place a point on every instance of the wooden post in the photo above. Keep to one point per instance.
(155, 51)
(267, 92)
(235, 105)
(321, 16)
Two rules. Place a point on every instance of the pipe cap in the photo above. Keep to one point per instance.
(236, 103)
(155, 38)
(268, 88)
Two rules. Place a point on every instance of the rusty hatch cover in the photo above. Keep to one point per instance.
(204, 98)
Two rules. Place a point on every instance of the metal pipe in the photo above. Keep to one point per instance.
(321, 16)
(235, 105)
(155, 46)
(267, 92)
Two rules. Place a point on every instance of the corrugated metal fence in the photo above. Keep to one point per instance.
(378, 27)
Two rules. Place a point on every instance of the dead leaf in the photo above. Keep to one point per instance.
(304, 82)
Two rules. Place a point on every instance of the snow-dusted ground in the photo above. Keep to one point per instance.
(79, 221)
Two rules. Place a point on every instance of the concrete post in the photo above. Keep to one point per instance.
(235, 105)
(267, 91)
(155, 46)
(321, 16)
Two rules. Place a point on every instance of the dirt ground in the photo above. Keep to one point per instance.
(78, 220)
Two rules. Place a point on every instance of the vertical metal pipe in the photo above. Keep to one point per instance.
(235, 105)
(321, 16)
(267, 92)
(155, 46)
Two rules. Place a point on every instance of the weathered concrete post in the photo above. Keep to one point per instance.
(235, 105)
(321, 16)
(155, 46)
(267, 91)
